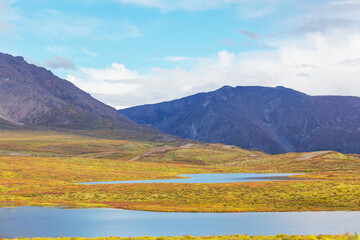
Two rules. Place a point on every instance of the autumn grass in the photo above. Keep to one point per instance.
(225, 237)
(53, 181)
(58, 144)
(229, 197)
(43, 169)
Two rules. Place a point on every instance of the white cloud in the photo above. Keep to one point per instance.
(117, 72)
(115, 79)
(323, 58)
(225, 58)
(316, 64)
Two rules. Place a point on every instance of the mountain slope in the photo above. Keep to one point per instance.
(32, 96)
(5, 125)
(275, 120)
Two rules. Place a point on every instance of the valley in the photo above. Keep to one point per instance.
(43, 168)
(41, 172)
(173, 120)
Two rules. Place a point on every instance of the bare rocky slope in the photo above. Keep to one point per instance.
(33, 97)
(275, 120)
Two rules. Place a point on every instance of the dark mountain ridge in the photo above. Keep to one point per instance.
(32, 96)
(275, 120)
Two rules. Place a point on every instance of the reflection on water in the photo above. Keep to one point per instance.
(213, 178)
(55, 222)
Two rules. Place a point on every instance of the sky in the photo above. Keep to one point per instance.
(132, 52)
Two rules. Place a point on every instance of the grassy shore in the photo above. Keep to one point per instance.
(43, 169)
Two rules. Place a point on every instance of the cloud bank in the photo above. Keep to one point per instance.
(316, 64)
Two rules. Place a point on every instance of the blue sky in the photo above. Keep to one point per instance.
(130, 52)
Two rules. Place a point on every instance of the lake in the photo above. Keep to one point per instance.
(55, 222)
(213, 178)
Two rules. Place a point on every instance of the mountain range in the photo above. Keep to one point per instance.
(274, 120)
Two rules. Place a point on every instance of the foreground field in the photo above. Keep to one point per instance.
(43, 169)
(227, 237)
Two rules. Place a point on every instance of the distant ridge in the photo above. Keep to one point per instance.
(275, 120)
(32, 96)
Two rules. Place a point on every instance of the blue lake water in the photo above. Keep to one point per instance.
(213, 178)
(55, 222)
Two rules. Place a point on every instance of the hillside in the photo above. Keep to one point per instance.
(275, 120)
(33, 97)
(5, 125)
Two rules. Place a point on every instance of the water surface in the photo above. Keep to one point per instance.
(214, 178)
(55, 222)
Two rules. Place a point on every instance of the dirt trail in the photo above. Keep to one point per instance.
(307, 156)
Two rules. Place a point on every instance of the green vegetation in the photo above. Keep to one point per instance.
(43, 169)
(55, 144)
(226, 237)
